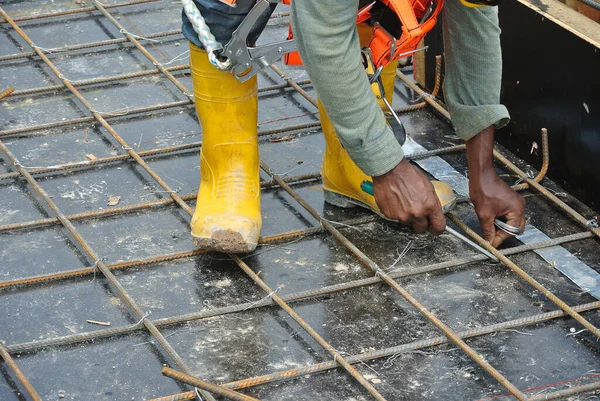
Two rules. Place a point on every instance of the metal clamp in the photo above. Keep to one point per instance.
(246, 61)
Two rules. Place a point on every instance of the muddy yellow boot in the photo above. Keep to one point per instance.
(227, 216)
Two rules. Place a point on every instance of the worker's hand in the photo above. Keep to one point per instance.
(491, 196)
(406, 195)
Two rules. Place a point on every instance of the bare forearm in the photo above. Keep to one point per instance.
(480, 154)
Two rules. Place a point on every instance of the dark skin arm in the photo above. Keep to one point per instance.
(491, 196)
(406, 195)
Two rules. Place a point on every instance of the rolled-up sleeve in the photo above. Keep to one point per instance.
(473, 68)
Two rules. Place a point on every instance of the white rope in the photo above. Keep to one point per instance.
(205, 35)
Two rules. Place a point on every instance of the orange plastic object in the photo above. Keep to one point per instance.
(293, 58)
(412, 31)
(409, 12)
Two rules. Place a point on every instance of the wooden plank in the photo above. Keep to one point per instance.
(567, 18)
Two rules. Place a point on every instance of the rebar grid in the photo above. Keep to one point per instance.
(507, 262)
(79, 10)
(288, 80)
(445, 329)
(69, 167)
(98, 262)
(403, 348)
(365, 260)
(459, 263)
(180, 202)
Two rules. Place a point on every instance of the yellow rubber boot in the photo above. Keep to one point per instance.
(341, 177)
(227, 216)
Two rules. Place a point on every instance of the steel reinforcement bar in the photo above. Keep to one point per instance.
(505, 260)
(113, 211)
(295, 297)
(94, 257)
(90, 45)
(79, 10)
(404, 348)
(13, 367)
(99, 264)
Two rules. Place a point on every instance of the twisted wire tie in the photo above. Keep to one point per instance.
(144, 317)
(126, 32)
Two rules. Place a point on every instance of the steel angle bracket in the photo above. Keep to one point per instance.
(246, 60)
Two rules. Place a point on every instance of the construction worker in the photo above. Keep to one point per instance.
(359, 143)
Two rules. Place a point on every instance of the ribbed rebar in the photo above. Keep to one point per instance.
(83, 120)
(393, 351)
(545, 163)
(213, 388)
(12, 365)
(98, 263)
(89, 45)
(99, 80)
(138, 206)
(293, 84)
(438, 76)
(426, 96)
(79, 10)
(364, 259)
(337, 357)
(294, 297)
(568, 392)
(558, 202)
(6, 92)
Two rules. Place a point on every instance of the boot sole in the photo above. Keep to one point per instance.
(344, 201)
(225, 241)
(339, 200)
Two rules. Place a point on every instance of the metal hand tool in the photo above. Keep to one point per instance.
(247, 60)
(367, 187)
